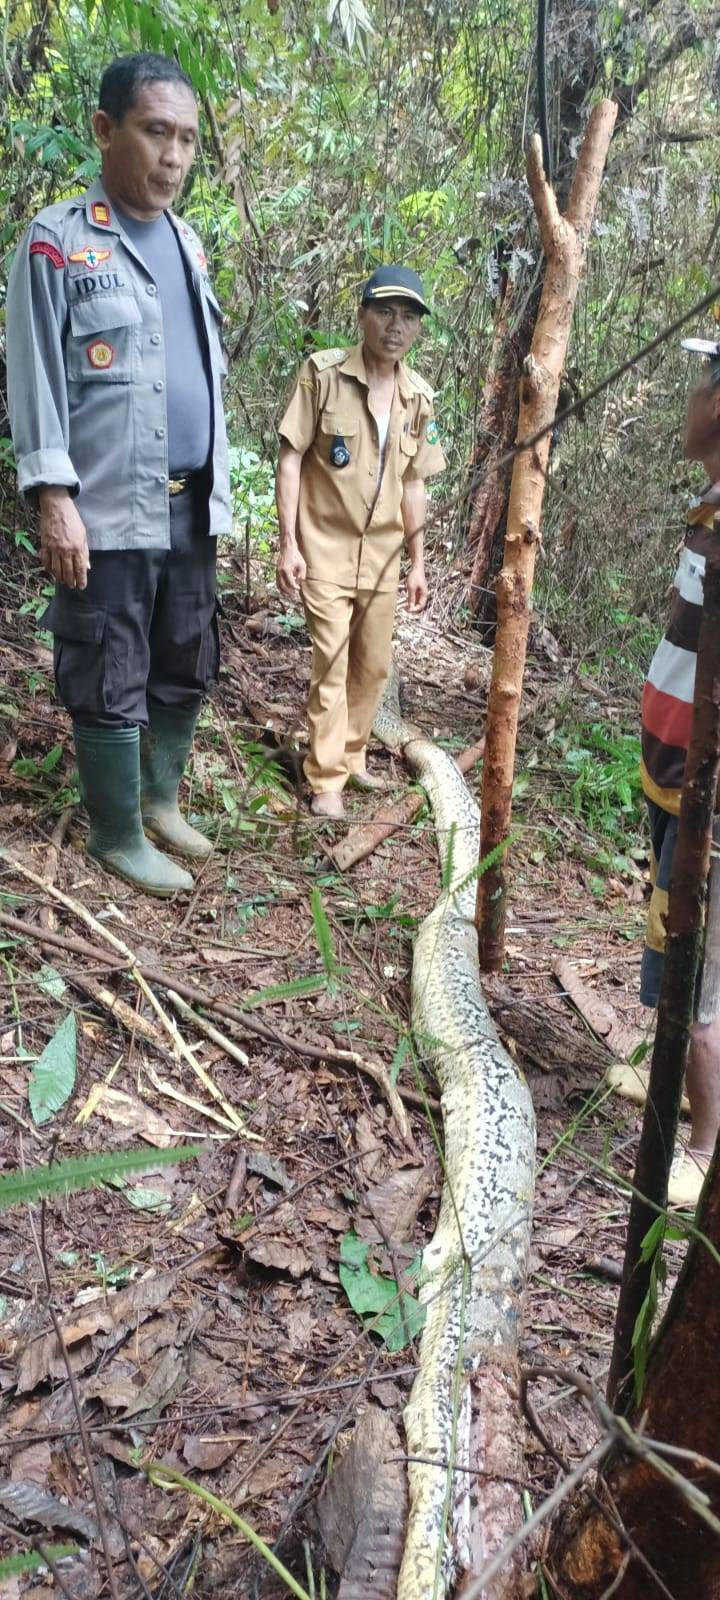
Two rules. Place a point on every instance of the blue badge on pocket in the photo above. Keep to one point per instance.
(339, 453)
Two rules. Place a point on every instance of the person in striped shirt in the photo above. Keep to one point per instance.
(667, 708)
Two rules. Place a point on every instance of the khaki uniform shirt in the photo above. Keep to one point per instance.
(350, 531)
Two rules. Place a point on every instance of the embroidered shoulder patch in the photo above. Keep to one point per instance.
(89, 256)
(100, 354)
(100, 213)
(43, 247)
(432, 434)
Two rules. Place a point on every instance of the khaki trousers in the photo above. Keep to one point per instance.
(351, 633)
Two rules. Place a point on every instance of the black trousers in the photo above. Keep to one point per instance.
(144, 628)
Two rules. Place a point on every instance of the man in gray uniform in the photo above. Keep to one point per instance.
(115, 363)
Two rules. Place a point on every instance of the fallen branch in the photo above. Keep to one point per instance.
(564, 240)
(360, 842)
(598, 1014)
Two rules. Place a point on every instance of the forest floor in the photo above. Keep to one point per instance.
(206, 1322)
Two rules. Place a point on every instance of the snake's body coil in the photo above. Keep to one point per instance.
(473, 1269)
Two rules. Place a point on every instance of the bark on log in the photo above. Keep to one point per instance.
(564, 241)
(686, 901)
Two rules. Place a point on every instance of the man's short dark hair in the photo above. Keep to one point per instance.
(122, 81)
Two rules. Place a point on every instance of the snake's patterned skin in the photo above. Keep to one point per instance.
(473, 1270)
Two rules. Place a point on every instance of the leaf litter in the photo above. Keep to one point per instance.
(245, 1361)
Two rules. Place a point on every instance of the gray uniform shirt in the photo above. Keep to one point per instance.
(188, 395)
(87, 375)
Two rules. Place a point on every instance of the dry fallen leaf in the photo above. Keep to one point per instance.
(32, 1464)
(283, 1255)
(162, 1384)
(395, 1202)
(42, 1357)
(328, 1217)
(362, 1511)
(207, 1453)
(132, 1115)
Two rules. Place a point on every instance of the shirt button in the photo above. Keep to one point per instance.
(155, 338)
(151, 288)
(159, 433)
(161, 478)
(159, 386)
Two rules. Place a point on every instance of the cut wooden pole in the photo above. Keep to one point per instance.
(564, 241)
(361, 841)
(686, 900)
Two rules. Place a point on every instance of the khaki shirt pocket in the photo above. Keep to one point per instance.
(338, 423)
(408, 449)
(100, 347)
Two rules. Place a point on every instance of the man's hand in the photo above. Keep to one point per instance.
(290, 571)
(63, 540)
(417, 589)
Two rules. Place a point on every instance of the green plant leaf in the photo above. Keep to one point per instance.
(397, 1318)
(53, 1076)
(49, 980)
(85, 1172)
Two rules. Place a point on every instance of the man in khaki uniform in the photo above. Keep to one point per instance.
(358, 440)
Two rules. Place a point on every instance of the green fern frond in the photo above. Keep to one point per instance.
(282, 991)
(323, 935)
(83, 1172)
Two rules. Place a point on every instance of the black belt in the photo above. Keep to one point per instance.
(180, 482)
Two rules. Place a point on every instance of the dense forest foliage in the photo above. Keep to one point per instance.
(333, 139)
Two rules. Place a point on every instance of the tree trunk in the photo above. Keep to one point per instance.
(686, 899)
(680, 1406)
(564, 242)
(488, 492)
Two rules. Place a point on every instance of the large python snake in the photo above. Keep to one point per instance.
(462, 1411)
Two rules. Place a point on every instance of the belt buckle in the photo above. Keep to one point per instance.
(177, 485)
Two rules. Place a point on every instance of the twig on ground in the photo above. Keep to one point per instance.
(237, 1181)
(141, 971)
(47, 918)
(203, 1026)
(134, 972)
(52, 1566)
(77, 1403)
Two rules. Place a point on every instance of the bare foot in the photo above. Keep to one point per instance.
(367, 781)
(328, 804)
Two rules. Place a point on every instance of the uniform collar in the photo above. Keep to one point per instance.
(101, 214)
(354, 366)
(99, 209)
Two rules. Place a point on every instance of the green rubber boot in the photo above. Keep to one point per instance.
(164, 748)
(109, 766)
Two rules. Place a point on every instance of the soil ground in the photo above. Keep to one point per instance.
(234, 1355)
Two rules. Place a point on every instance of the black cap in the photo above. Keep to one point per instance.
(400, 283)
